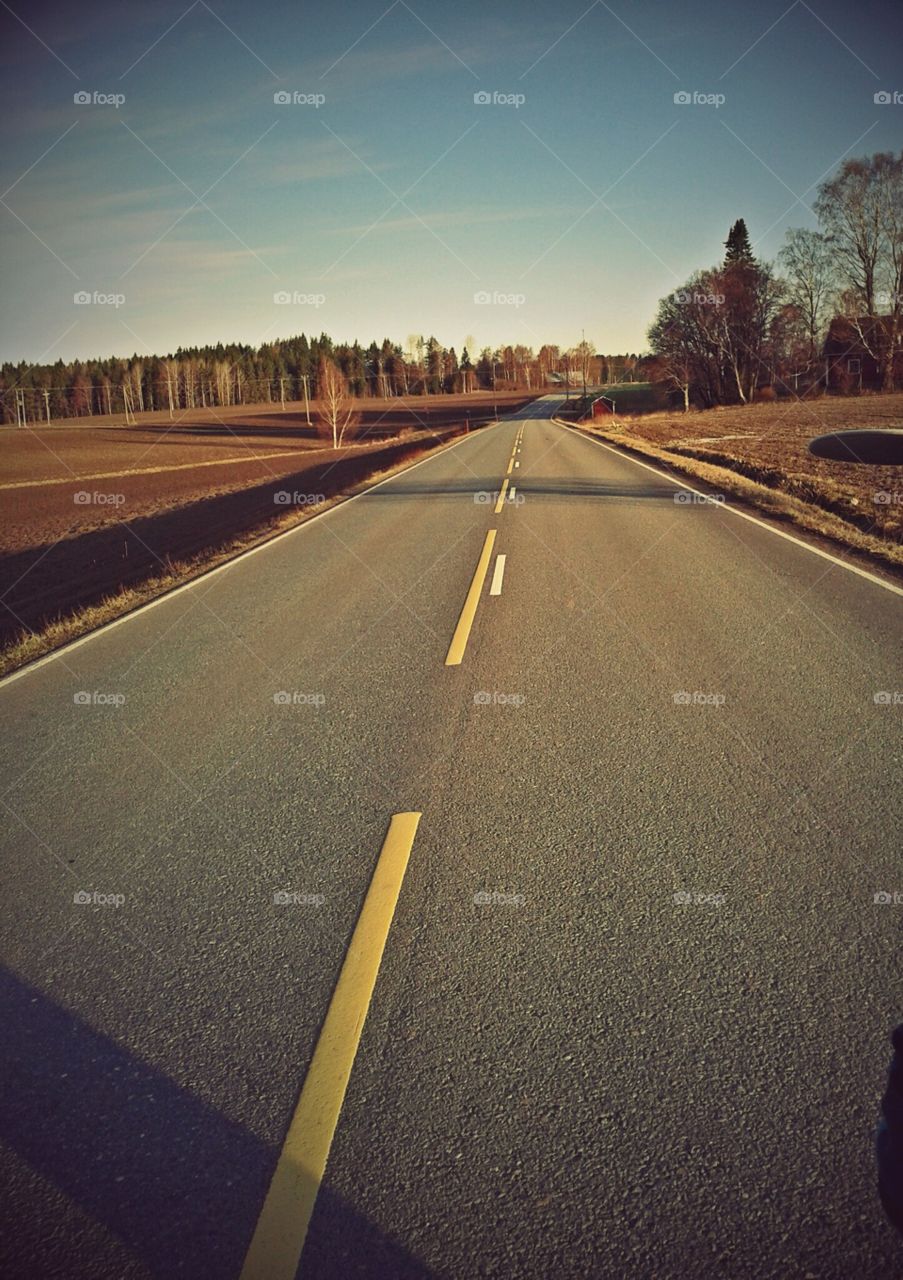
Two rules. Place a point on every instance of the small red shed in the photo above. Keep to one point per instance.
(603, 407)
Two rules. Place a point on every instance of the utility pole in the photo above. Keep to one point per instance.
(21, 420)
(282, 393)
(47, 405)
(304, 377)
(583, 363)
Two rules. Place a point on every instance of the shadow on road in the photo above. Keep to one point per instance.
(373, 424)
(177, 1184)
(533, 486)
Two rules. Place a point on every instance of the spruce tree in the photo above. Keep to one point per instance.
(737, 246)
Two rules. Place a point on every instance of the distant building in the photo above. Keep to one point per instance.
(848, 352)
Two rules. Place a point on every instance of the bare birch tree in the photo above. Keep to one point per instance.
(861, 208)
(335, 405)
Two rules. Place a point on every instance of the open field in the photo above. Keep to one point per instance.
(637, 397)
(767, 443)
(94, 512)
(61, 481)
(55, 592)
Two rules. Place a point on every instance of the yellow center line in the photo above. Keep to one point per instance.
(282, 1226)
(469, 612)
(510, 465)
(501, 501)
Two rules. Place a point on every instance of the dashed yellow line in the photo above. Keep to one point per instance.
(501, 501)
(282, 1227)
(469, 611)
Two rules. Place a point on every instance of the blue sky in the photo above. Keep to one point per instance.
(387, 208)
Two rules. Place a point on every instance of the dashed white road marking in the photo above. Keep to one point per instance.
(498, 573)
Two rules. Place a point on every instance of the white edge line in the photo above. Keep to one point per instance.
(498, 574)
(744, 515)
(227, 564)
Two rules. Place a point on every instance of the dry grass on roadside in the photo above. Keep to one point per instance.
(768, 444)
(773, 501)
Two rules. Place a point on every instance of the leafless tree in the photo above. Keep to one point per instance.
(335, 404)
(808, 261)
(584, 353)
(861, 208)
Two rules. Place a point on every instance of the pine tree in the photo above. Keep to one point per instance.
(737, 246)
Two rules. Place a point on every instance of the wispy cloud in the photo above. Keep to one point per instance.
(455, 218)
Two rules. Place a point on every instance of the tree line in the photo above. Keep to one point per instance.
(745, 325)
(286, 370)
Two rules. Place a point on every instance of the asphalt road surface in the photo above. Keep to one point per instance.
(633, 1011)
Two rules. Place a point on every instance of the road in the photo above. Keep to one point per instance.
(632, 1014)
